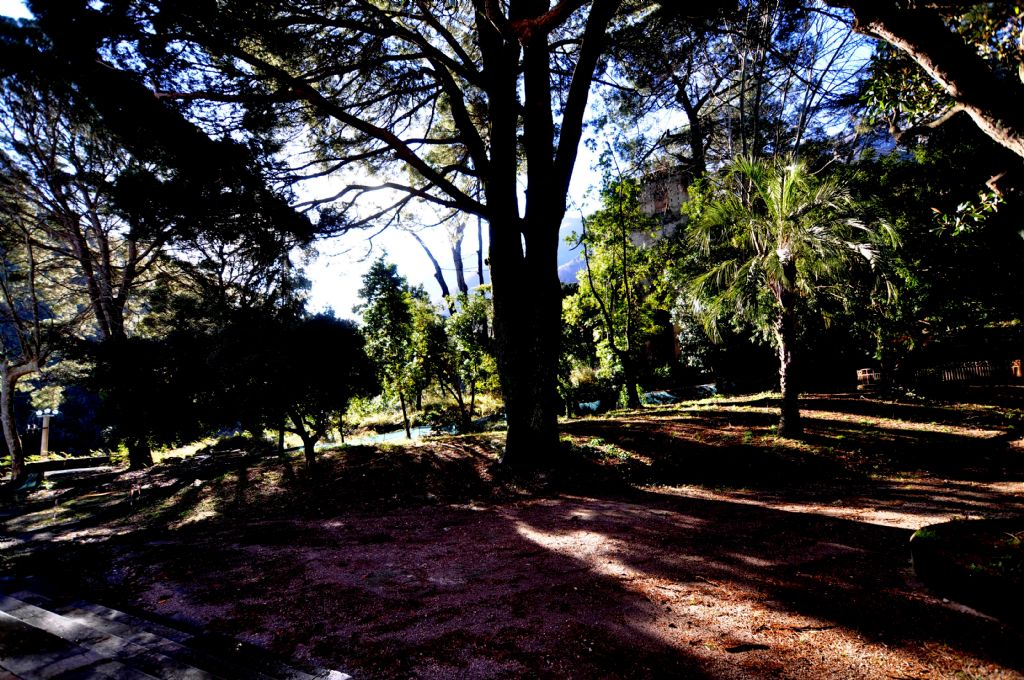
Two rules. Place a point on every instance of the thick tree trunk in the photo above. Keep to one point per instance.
(527, 318)
(140, 455)
(523, 251)
(11, 437)
(785, 335)
(309, 452)
(700, 164)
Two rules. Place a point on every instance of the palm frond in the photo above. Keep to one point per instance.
(780, 215)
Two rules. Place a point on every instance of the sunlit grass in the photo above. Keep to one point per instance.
(184, 451)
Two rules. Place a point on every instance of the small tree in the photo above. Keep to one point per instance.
(148, 388)
(388, 327)
(624, 251)
(456, 351)
(469, 330)
(325, 366)
(780, 235)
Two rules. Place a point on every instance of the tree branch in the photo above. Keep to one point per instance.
(579, 90)
(992, 102)
(402, 150)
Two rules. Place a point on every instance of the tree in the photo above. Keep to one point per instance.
(458, 94)
(38, 313)
(456, 234)
(66, 174)
(927, 193)
(761, 80)
(149, 389)
(625, 253)
(967, 50)
(321, 364)
(388, 327)
(776, 235)
(455, 350)
(110, 207)
(33, 319)
(469, 330)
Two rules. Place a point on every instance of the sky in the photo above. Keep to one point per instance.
(13, 8)
(336, 273)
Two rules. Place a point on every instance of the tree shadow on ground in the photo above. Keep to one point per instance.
(649, 585)
(953, 411)
(849, 574)
(685, 452)
(414, 562)
(1003, 396)
(135, 506)
(739, 448)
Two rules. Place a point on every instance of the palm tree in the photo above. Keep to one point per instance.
(782, 234)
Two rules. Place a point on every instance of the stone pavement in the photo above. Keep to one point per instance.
(42, 639)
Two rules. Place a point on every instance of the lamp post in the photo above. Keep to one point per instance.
(44, 442)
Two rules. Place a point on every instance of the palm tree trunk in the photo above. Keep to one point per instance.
(785, 333)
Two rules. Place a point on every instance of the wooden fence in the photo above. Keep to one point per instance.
(969, 373)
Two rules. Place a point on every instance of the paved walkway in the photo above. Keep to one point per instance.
(42, 639)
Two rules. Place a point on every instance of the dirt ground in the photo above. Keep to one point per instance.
(683, 542)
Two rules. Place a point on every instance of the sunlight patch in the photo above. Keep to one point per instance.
(596, 549)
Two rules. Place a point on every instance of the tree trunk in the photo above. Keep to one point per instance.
(465, 421)
(460, 274)
(140, 455)
(405, 416)
(309, 438)
(472, 397)
(10, 425)
(785, 335)
(629, 376)
(309, 451)
(480, 250)
(527, 334)
(438, 274)
(700, 164)
(524, 250)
